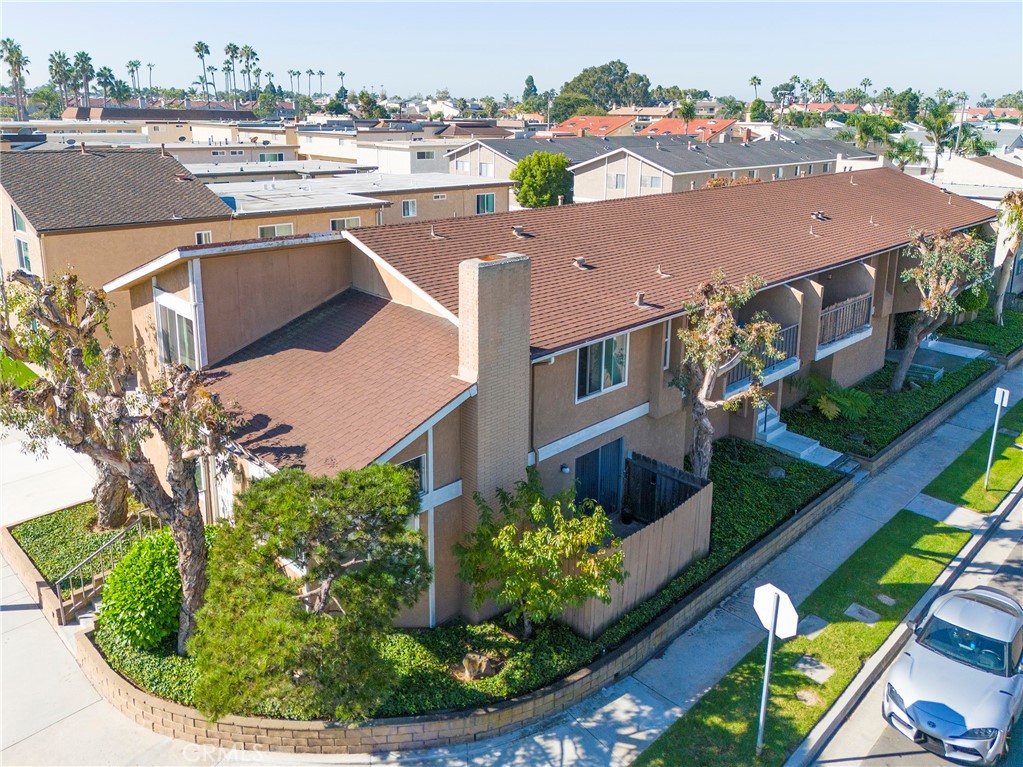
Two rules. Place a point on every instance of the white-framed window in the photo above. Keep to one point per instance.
(809, 170)
(484, 203)
(408, 208)
(827, 167)
(440, 197)
(616, 181)
(602, 366)
(734, 174)
(667, 344)
(204, 237)
(275, 230)
(428, 154)
(340, 224)
(156, 129)
(754, 173)
(795, 171)
(692, 185)
(175, 332)
(418, 464)
(650, 182)
(19, 222)
(271, 156)
(461, 166)
(218, 153)
(487, 169)
(237, 152)
(24, 262)
(780, 173)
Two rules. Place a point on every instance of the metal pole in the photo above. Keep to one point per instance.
(994, 436)
(767, 676)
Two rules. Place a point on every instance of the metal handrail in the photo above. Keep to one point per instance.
(844, 318)
(785, 341)
(144, 524)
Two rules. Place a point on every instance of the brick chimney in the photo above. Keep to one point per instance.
(493, 351)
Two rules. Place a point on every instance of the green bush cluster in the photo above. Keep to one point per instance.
(889, 415)
(59, 541)
(1001, 339)
(747, 506)
(972, 300)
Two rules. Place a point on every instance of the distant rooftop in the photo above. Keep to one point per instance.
(289, 167)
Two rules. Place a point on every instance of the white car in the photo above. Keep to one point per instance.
(957, 689)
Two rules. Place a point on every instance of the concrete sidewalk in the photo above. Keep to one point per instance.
(610, 728)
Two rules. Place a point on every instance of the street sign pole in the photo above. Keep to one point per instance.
(1001, 399)
(767, 675)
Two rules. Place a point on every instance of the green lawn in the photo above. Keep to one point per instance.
(901, 560)
(889, 416)
(962, 483)
(16, 372)
(1004, 339)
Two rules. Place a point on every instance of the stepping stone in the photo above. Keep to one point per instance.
(1007, 432)
(811, 626)
(813, 668)
(886, 600)
(809, 697)
(858, 612)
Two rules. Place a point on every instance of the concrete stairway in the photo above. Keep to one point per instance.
(773, 433)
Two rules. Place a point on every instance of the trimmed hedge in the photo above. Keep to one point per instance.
(747, 506)
(889, 416)
(1003, 340)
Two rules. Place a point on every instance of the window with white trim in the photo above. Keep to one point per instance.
(237, 152)
(203, 238)
(418, 465)
(426, 155)
(667, 344)
(218, 153)
(380, 216)
(461, 166)
(754, 173)
(176, 335)
(275, 230)
(616, 181)
(795, 172)
(827, 167)
(440, 197)
(487, 169)
(19, 222)
(271, 156)
(408, 208)
(602, 366)
(340, 224)
(780, 173)
(650, 182)
(809, 170)
(24, 262)
(484, 203)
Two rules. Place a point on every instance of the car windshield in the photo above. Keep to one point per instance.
(965, 646)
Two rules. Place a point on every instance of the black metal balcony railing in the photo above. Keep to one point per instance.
(844, 318)
(786, 341)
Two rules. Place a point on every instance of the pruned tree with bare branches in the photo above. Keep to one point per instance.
(86, 399)
(1010, 236)
(713, 343)
(947, 265)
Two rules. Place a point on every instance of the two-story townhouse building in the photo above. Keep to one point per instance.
(475, 347)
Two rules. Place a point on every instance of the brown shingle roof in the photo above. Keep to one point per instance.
(997, 163)
(594, 125)
(758, 228)
(340, 385)
(104, 187)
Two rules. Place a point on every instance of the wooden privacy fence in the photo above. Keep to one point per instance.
(844, 318)
(653, 556)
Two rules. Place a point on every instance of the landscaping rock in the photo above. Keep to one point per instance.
(813, 668)
(479, 666)
(809, 697)
(858, 612)
(776, 472)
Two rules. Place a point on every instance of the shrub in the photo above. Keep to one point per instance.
(972, 300)
(1004, 339)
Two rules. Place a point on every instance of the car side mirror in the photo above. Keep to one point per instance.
(916, 628)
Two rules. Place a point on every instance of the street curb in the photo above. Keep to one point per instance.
(822, 733)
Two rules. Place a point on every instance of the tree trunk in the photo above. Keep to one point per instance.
(1002, 286)
(703, 439)
(920, 330)
(111, 496)
(191, 541)
(527, 625)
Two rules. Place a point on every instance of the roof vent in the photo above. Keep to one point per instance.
(640, 298)
(518, 230)
(580, 262)
(661, 273)
(434, 235)
(179, 177)
(163, 151)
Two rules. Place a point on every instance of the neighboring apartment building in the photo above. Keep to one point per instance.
(657, 167)
(215, 172)
(232, 153)
(643, 115)
(473, 348)
(719, 131)
(596, 126)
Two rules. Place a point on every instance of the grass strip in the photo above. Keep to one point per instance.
(16, 372)
(901, 560)
(962, 482)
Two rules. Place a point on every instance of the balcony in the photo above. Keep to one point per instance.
(786, 341)
(843, 324)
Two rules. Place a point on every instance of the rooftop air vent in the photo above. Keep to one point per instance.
(640, 298)
(580, 262)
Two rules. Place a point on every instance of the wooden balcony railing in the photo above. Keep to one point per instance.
(844, 318)
(786, 341)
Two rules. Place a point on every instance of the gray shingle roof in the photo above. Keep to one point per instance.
(104, 187)
(577, 150)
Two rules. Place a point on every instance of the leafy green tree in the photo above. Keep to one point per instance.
(904, 151)
(778, 92)
(870, 129)
(662, 94)
(686, 111)
(529, 91)
(542, 178)
(489, 105)
(266, 104)
(120, 91)
(937, 124)
(566, 105)
(51, 100)
(17, 67)
(758, 111)
(713, 343)
(886, 96)
(540, 556)
(731, 107)
(969, 142)
(948, 265)
(309, 642)
(905, 105)
(1010, 238)
(610, 84)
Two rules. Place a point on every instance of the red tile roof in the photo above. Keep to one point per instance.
(758, 228)
(704, 130)
(594, 126)
(362, 346)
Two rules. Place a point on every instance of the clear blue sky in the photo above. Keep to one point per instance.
(482, 48)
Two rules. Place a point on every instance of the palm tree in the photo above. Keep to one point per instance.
(104, 79)
(83, 63)
(865, 83)
(904, 151)
(970, 142)
(686, 111)
(213, 79)
(256, 73)
(961, 98)
(17, 67)
(887, 95)
(821, 88)
(120, 91)
(755, 81)
(60, 72)
(341, 74)
(150, 65)
(228, 70)
(202, 51)
(320, 74)
(310, 73)
(133, 72)
(231, 51)
(936, 126)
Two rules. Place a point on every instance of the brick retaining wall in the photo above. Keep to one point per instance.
(184, 723)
